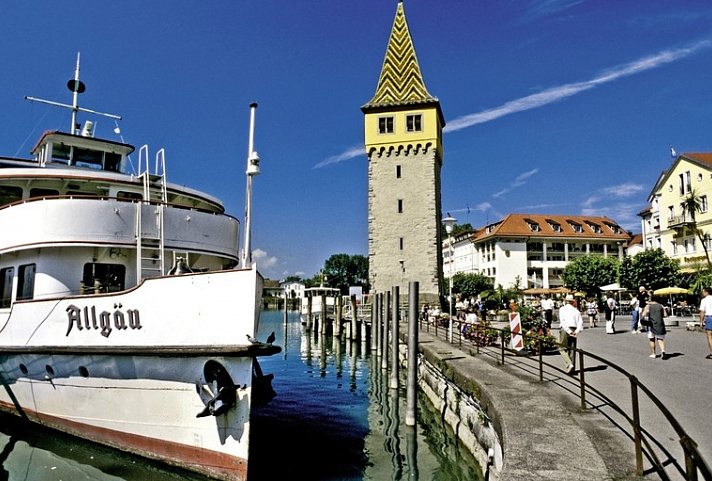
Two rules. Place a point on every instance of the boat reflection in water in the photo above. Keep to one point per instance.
(335, 417)
(41, 454)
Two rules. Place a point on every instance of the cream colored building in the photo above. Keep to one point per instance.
(403, 136)
(533, 249)
(666, 224)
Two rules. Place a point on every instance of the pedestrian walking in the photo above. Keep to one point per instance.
(610, 311)
(706, 317)
(570, 324)
(592, 311)
(547, 307)
(654, 314)
(642, 301)
(634, 314)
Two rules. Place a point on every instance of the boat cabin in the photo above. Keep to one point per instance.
(84, 151)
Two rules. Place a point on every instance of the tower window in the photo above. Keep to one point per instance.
(414, 123)
(385, 125)
(400, 206)
(400, 243)
(398, 171)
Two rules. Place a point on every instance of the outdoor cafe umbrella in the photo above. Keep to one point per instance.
(669, 291)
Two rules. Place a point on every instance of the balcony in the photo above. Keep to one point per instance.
(680, 221)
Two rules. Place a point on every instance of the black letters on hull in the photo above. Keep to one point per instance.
(102, 321)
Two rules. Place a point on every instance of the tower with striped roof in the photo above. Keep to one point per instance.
(403, 135)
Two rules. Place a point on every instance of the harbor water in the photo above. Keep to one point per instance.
(333, 417)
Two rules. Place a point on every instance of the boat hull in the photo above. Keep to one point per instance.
(164, 387)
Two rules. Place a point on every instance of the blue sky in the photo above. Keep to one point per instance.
(552, 106)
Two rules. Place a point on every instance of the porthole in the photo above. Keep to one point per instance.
(83, 372)
(23, 369)
(49, 370)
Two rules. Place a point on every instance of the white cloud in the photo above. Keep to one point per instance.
(620, 191)
(555, 94)
(542, 8)
(520, 180)
(263, 260)
(348, 154)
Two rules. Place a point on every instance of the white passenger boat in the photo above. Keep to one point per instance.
(128, 315)
(318, 302)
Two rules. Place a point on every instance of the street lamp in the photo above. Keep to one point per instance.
(449, 222)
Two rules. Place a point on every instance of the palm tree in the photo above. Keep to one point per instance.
(692, 205)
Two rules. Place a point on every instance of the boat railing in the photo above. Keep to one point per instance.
(106, 197)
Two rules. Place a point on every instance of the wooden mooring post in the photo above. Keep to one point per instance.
(393, 384)
(376, 321)
(338, 312)
(412, 377)
(384, 332)
(354, 319)
(310, 319)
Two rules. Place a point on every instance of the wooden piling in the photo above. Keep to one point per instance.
(354, 319)
(412, 380)
(310, 319)
(375, 321)
(395, 323)
(384, 335)
(286, 308)
(338, 308)
(322, 318)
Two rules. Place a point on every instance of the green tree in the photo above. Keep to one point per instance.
(589, 272)
(470, 285)
(651, 268)
(692, 205)
(344, 270)
(456, 229)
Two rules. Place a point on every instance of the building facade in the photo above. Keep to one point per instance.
(532, 250)
(667, 223)
(403, 137)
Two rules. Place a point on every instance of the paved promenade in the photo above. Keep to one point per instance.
(548, 435)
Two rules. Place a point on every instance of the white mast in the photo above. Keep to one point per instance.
(77, 87)
(253, 168)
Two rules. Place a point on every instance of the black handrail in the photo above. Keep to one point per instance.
(694, 463)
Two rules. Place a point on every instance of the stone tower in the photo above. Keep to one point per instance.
(403, 135)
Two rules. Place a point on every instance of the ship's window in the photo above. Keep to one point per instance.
(61, 153)
(112, 162)
(129, 196)
(26, 282)
(103, 277)
(414, 123)
(6, 276)
(10, 194)
(37, 192)
(87, 158)
(82, 194)
(385, 125)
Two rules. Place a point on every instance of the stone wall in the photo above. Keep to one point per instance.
(465, 414)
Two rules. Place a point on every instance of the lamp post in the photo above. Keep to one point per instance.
(449, 222)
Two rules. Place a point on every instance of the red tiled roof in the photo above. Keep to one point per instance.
(705, 157)
(551, 225)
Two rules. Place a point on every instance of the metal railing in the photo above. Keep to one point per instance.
(483, 337)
